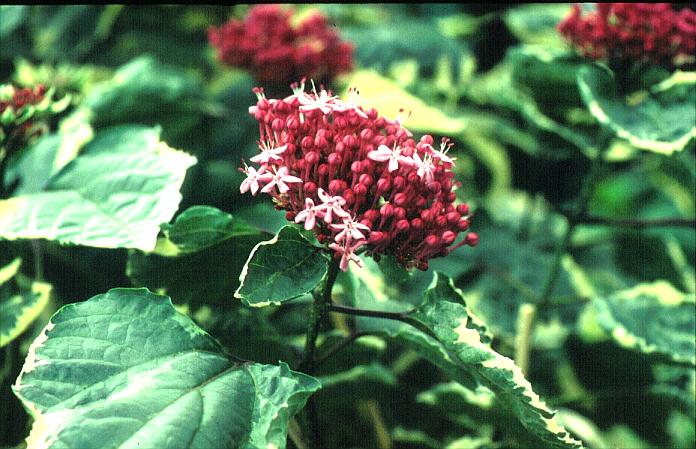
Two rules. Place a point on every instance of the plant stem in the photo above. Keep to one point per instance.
(404, 317)
(322, 299)
(639, 222)
(525, 318)
(578, 211)
(340, 345)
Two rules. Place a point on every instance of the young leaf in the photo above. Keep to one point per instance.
(114, 194)
(662, 121)
(200, 257)
(20, 302)
(536, 23)
(117, 369)
(653, 319)
(198, 228)
(281, 269)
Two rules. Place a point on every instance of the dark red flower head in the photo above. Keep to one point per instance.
(18, 124)
(639, 32)
(360, 181)
(267, 44)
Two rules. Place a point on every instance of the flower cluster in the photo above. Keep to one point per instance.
(18, 107)
(360, 181)
(653, 32)
(275, 51)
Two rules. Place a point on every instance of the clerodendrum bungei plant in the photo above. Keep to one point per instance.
(405, 279)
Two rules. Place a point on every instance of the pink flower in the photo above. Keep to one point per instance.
(323, 101)
(331, 205)
(633, 32)
(383, 154)
(252, 180)
(351, 104)
(359, 179)
(269, 153)
(445, 145)
(349, 230)
(347, 252)
(278, 49)
(425, 167)
(308, 214)
(279, 179)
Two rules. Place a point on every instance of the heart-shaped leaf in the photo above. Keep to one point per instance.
(126, 370)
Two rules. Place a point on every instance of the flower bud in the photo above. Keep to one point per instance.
(311, 158)
(376, 237)
(400, 199)
(472, 239)
(372, 215)
(307, 143)
(336, 186)
(278, 125)
(349, 196)
(383, 184)
(417, 223)
(399, 182)
(432, 240)
(335, 159)
(463, 209)
(292, 123)
(448, 237)
(453, 217)
(387, 210)
(402, 226)
(360, 189)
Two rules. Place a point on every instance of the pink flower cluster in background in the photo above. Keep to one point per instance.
(17, 117)
(358, 180)
(274, 51)
(638, 32)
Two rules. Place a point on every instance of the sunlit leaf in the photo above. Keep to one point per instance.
(652, 318)
(21, 302)
(461, 346)
(124, 184)
(663, 120)
(536, 23)
(117, 369)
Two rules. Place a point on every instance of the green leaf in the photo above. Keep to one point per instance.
(549, 75)
(461, 333)
(145, 91)
(199, 258)
(21, 302)
(200, 227)
(115, 370)
(114, 195)
(379, 46)
(662, 121)
(652, 318)
(12, 17)
(281, 269)
(536, 23)
(462, 348)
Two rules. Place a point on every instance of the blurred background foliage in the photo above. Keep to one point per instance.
(499, 81)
